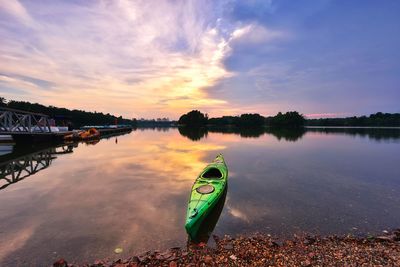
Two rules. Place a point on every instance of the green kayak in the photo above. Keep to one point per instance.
(206, 191)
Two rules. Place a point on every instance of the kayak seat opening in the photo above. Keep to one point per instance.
(212, 173)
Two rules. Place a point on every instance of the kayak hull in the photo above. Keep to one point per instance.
(192, 226)
(206, 192)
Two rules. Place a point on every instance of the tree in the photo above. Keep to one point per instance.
(78, 118)
(3, 101)
(251, 120)
(377, 119)
(193, 118)
(289, 119)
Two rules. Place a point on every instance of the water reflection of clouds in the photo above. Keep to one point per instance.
(16, 239)
(131, 194)
(248, 211)
(237, 213)
(134, 194)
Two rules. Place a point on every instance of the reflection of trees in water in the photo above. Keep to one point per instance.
(250, 132)
(291, 134)
(288, 134)
(193, 133)
(155, 128)
(378, 134)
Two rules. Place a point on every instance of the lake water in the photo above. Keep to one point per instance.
(131, 192)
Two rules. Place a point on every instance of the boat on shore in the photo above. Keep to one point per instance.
(205, 194)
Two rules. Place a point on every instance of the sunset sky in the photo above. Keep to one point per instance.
(163, 58)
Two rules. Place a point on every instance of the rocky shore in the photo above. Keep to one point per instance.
(264, 250)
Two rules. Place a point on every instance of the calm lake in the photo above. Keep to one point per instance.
(131, 191)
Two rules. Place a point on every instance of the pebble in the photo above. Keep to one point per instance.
(228, 246)
(208, 259)
(60, 263)
(259, 250)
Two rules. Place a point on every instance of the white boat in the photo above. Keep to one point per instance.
(5, 149)
(6, 138)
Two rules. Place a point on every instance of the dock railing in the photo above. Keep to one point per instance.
(18, 121)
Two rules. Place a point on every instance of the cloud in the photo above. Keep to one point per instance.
(256, 34)
(152, 58)
(15, 9)
(16, 82)
(251, 44)
(325, 115)
(92, 53)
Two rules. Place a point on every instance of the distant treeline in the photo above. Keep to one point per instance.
(377, 119)
(155, 123)
(75, 118)
(197, 119)
(286, 120)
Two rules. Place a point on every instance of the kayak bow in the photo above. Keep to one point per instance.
(206, 191)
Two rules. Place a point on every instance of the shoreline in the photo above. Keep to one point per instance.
(265, 250)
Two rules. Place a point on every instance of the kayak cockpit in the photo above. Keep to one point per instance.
(212, 173)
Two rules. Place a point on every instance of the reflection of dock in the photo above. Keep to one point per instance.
(21, 162)
(17, 169)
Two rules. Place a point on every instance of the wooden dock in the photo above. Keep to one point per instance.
(30, 128)
(110, 131)
(57, 137)
(32, 138)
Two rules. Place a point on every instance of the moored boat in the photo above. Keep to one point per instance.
(6, 138)
(90, 134)
(206, 191)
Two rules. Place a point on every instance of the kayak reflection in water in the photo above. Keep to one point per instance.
(209, 223)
